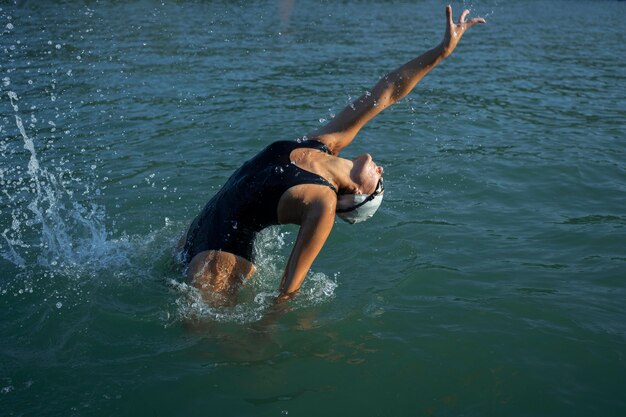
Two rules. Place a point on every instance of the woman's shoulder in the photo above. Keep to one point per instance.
(289, 145)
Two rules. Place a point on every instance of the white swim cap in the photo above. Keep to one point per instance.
(363, 206)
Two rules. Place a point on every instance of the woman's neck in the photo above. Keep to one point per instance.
(338, 172)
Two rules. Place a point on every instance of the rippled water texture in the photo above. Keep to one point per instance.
(490, 283)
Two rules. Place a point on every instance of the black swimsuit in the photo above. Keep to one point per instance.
(248, 202)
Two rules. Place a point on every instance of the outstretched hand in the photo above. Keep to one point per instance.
(454, 31)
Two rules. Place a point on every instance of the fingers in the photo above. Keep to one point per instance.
(463, 16)
(476, 20)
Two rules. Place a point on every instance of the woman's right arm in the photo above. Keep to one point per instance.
(340, 131)
(316, 221)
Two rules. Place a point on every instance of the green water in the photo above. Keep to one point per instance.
(490, 283)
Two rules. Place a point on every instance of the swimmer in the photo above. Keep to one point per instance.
(302, 182)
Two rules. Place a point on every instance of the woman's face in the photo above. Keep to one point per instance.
(365, 173)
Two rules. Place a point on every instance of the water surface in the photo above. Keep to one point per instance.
(490, 283)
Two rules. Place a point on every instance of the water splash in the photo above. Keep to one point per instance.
(49, 226)
(258, 294)
(480, 10)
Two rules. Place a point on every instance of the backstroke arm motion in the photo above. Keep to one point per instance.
(339, 132)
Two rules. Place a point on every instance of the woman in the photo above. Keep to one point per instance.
(302, 182)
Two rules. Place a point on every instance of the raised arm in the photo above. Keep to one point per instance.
(340, 131)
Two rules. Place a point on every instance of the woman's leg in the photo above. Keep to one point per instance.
(213, 271)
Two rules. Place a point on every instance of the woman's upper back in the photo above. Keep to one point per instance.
(248, 201)
(254, 190)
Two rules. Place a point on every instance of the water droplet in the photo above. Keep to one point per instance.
(59, 304)
(10, 26)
